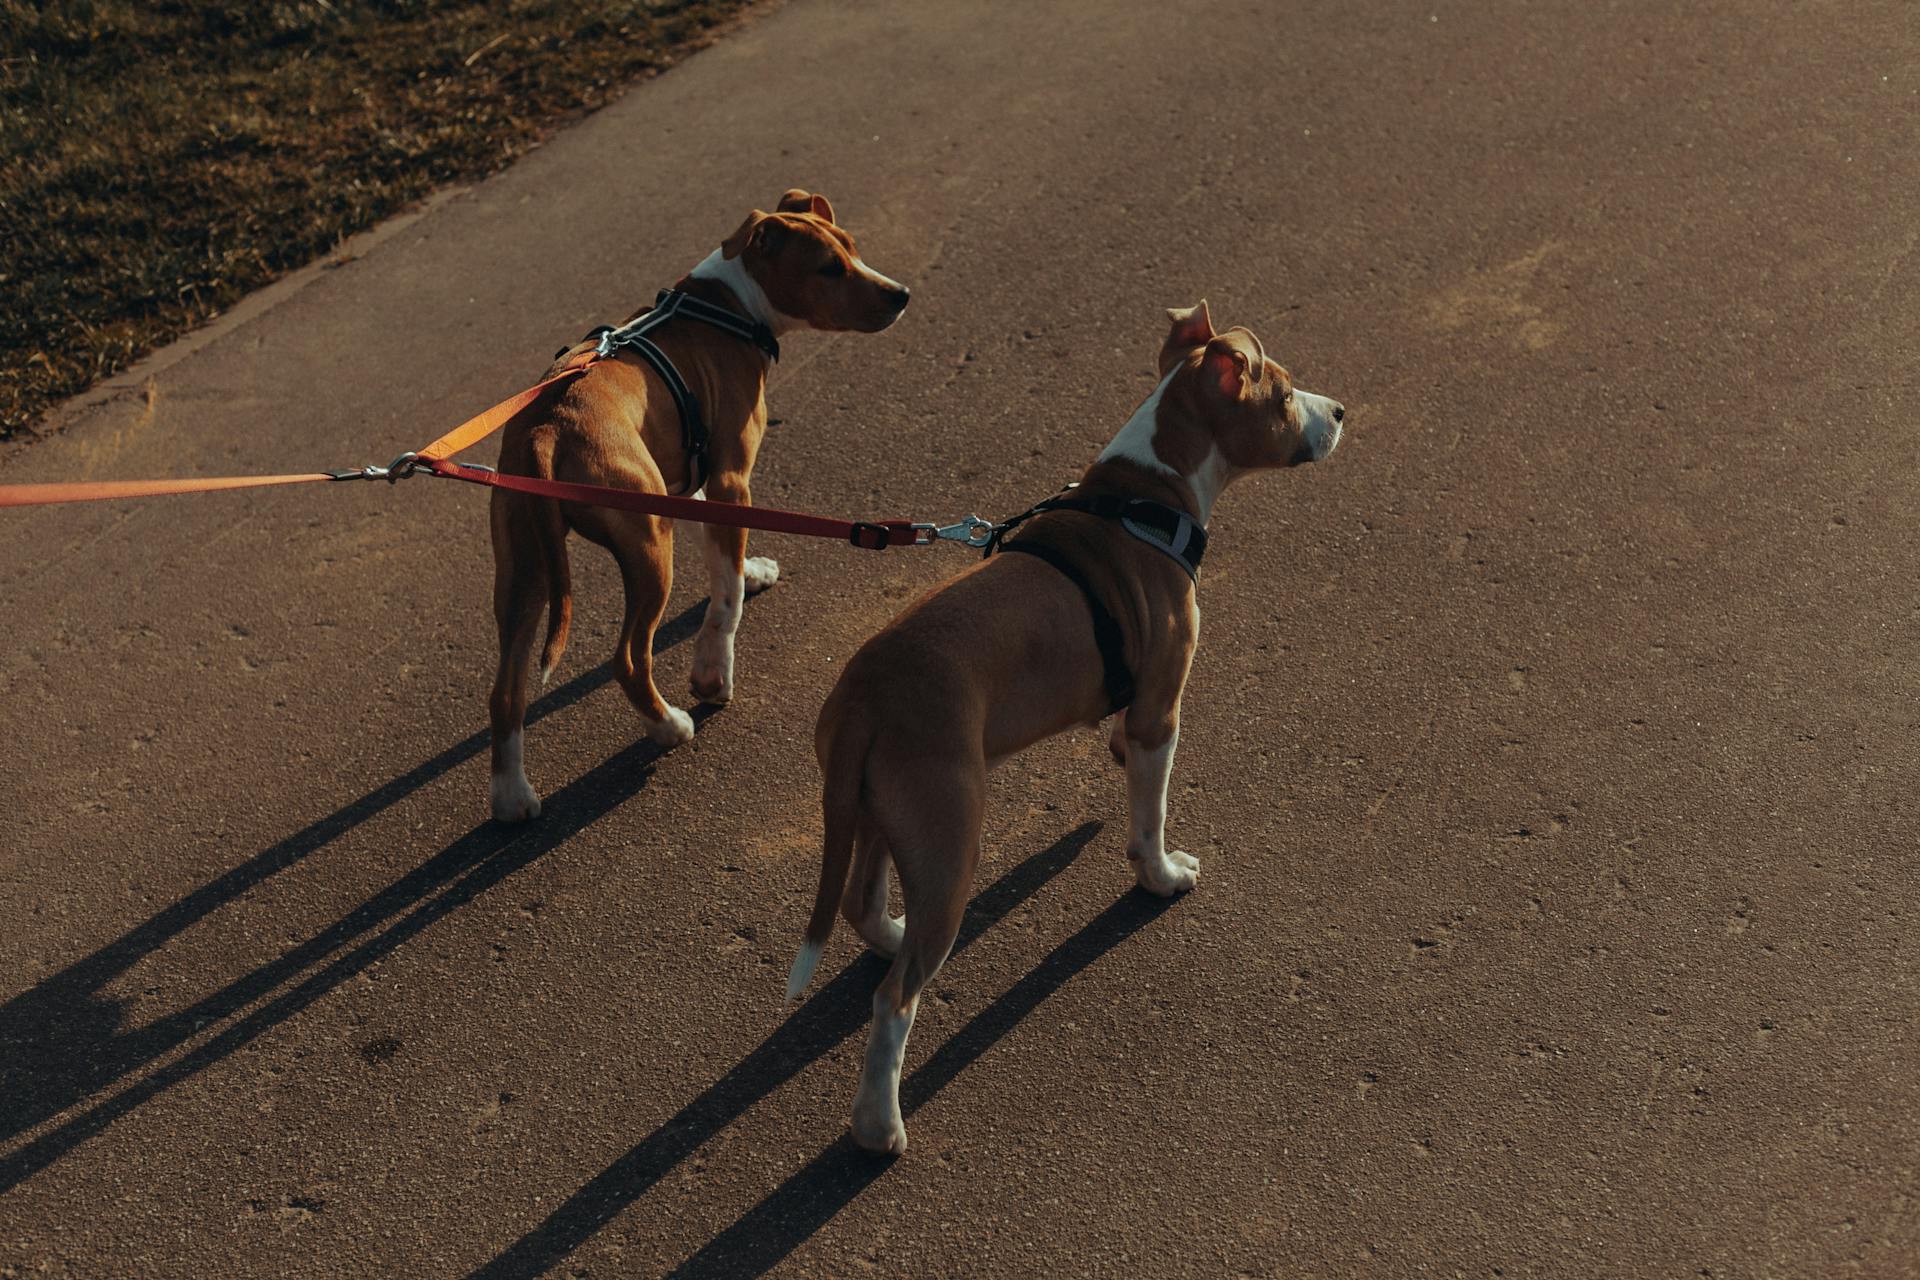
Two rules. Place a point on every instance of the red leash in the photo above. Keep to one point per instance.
(435, 459)
(874, 535)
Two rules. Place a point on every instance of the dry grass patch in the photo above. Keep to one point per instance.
(158, 160)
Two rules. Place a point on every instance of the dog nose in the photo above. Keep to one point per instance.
(1339, 412)
(898, 299)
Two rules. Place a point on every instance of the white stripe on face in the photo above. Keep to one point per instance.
(865, 272)
(1317, 422)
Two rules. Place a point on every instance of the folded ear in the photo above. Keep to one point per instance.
(799, 201)
(736, 244)
(1226, 367)
(1192, 326)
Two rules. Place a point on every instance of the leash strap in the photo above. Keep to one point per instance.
(40, 495)
(1106, 632)
(873, 535)
(482, 425)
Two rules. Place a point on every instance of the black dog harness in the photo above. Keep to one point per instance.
(669, 305)
(1167, 530)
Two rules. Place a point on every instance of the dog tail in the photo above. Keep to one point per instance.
(843, 761)
(550, 530)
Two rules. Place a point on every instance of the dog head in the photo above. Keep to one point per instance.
(807, 270)
(1246, 404)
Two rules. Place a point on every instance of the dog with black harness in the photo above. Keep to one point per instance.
(677, 405)
(1086, 611)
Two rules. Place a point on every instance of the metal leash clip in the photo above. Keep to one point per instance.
(971, 531)
(399, 469)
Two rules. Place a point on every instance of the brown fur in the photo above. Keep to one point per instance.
(1004, 655)
(618, 426)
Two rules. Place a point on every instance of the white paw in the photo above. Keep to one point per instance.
(675, 729)
(760, 573)
(513, 798)
(877, 1126)
(1173, 872)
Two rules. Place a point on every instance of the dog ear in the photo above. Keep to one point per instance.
(1192, 326)
(1226, 367)
(736, 244)
(769, 236)
(798, 200)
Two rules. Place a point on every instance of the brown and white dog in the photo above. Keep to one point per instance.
(1005, 655)
(793, 268)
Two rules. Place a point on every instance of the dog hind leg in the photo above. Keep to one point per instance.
(865, 903)
(935, 835)
(520, 590)
(645, 556)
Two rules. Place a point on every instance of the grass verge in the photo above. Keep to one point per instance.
(160, 159)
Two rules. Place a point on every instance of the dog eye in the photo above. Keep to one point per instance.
(833, 267)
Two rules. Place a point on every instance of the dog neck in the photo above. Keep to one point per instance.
(732, 273)
(1132, 449)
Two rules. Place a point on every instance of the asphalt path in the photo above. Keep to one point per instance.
(1550, 752)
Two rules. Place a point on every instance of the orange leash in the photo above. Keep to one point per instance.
(480, 426)
(434, 458)
(40, 495)
(472, 431)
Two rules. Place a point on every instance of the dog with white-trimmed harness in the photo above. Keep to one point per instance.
(1087, 611)
(676, 406)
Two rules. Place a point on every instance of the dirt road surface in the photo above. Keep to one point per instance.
(1550, 753)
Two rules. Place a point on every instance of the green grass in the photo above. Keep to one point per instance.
(158, 160)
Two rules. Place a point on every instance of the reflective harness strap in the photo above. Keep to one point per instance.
(670, 304)
(1167, 530)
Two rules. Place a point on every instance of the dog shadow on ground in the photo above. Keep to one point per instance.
(810, 1198)
(62, 1040)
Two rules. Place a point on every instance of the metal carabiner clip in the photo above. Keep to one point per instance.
(971, 531)
(399, 469)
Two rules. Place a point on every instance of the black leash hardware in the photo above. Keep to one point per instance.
(869, 536)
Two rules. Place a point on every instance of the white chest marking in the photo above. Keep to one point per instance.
(732, 272)
(1135, 444)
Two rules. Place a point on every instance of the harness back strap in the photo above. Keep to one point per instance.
(633, 336)
(1106, 632)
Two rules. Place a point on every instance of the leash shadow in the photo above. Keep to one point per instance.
(836, 1011)
(760, 1238)
(61, 1042)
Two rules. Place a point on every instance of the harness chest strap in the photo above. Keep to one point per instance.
(1172, 532)
(1114, 676)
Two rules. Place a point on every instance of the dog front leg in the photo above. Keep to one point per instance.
(731, 577)
(1149, 761)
